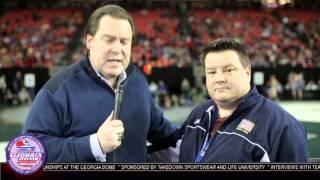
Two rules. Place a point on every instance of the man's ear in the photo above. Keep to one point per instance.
(248, 71)
(89, 40)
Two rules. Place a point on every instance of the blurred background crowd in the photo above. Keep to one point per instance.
(278, 34)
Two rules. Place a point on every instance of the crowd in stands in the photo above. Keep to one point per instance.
(283, 38)
(32, 37)
(42, 37)
(37, 38)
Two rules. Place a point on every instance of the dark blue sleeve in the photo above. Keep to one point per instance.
(47, 120)
(162, 133)
(292, 145)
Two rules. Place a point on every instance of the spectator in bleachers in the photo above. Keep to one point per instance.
(32, 38)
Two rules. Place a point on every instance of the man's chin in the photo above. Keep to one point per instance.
(111, 75)
(222, 98)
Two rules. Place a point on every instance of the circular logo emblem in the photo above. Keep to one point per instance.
(26, 154)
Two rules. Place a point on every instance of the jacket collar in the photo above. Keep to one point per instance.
(249, 100)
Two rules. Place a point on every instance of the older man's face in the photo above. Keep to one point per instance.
(110, 47)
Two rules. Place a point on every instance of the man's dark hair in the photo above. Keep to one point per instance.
(223, 44)
(111, 10)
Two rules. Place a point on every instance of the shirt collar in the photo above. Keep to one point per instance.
(122, 77)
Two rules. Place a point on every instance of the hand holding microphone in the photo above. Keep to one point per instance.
(108, 134)
(117, 105)
(111, 131)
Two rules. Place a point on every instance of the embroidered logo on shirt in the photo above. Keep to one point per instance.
(196, 121)
(245, 126)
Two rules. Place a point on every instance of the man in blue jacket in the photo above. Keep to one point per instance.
(238, 124)
(72, 113)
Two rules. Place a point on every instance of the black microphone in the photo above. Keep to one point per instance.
(117, 107)
(118, 101)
